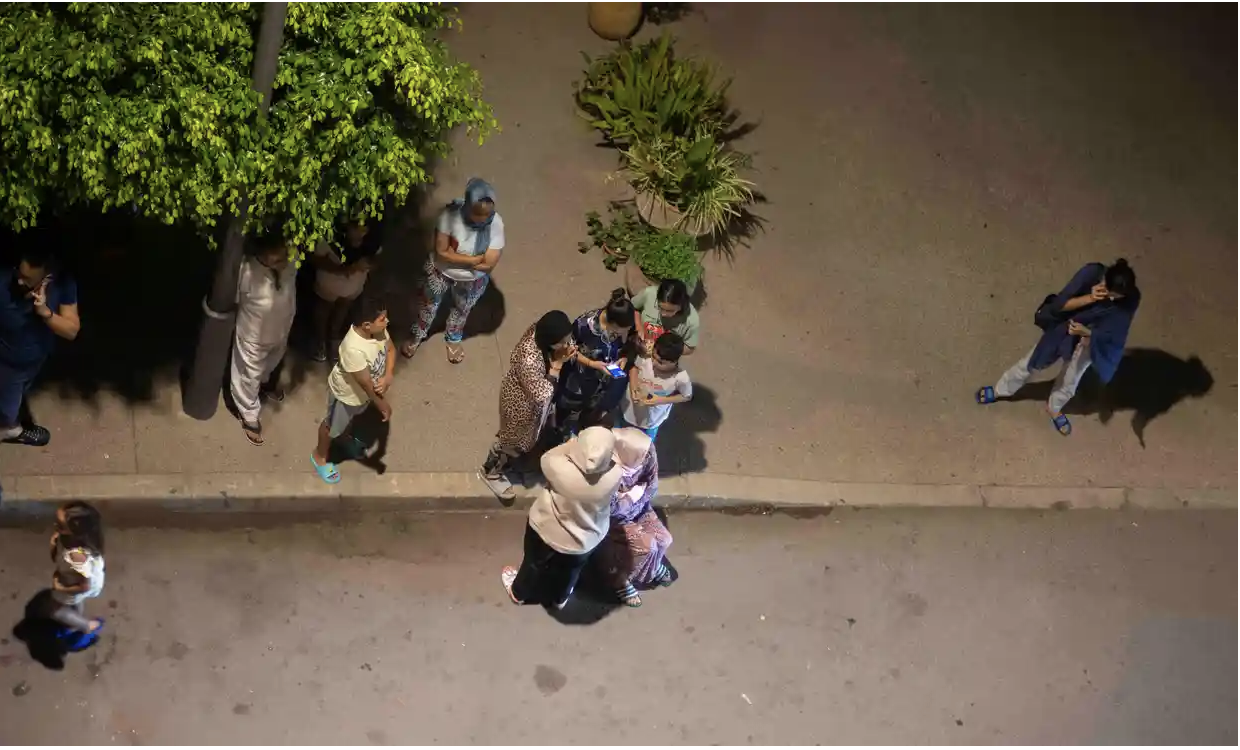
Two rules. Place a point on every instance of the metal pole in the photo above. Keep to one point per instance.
(201, 395)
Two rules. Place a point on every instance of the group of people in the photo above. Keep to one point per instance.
(583, 398)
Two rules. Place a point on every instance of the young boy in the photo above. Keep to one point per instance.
(361, 376)
(655, 383)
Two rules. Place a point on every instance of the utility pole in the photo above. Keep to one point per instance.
(201, 394)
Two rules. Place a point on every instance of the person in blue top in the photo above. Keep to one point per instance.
(1085, 325)
(37, 306)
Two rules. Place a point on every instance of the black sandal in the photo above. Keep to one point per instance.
(34, 435)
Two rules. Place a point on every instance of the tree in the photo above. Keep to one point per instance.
(150, 106)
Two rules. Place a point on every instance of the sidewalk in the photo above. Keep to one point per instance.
(931, 172)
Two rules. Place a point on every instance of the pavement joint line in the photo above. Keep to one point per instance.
(305, 492)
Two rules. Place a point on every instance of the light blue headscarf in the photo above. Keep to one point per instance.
(477, 189)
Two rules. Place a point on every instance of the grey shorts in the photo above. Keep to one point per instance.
(339, 415)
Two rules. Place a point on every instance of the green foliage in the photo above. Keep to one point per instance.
(644, 92)
(150, 105)
(659, 253)
(700, 177)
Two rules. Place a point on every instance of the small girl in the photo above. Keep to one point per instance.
(77, 551)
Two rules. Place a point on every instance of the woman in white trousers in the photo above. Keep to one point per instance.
(266, 304)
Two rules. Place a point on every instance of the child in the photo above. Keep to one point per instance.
(655, 383)
(77, 551)
(361, 376)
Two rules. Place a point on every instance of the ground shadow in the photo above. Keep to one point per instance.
(373, 433)
(39, 633)
(140, 286)
(681, 450)
(1149, 382)
(591, 601)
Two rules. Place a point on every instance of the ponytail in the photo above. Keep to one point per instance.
(620, 308)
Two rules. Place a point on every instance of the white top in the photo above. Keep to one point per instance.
(641, 415)
(264, 313)
(333, 286)
(462, 239)
(357, 353)
(91, 569)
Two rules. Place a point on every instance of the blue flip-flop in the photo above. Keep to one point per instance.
(986, 395)
(1062, 425)
(327, 472)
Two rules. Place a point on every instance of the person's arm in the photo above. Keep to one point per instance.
(322, 260)
(443, 249)
(489, 261)
(362, 378)
(64, 320)
(389, 370)
(684, 392)
(1080, 291)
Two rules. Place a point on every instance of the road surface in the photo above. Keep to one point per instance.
(945, 627)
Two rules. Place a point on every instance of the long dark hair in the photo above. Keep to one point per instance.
(83, 527)
(1121, 279)
(674, 292)
(619, 309)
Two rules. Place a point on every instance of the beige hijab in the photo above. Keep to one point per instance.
(632, 445)
(573, 513)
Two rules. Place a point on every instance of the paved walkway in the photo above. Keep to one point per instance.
(947, 628)
(931, 172)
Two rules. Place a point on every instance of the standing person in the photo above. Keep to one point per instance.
(600, 336)
(1085, 325)
(361, 376)
(638, 541)
(567, 521)
(526, 393)
(341, 269)
(266, 305)
(666, 307)
(77, 551)
(469, 239)
(655, 384)
(37, 306)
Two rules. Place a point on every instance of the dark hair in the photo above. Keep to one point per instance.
(674, 292)
(551, 330)
(83, 525)
(620, 308)
(1120, 278)
(266, 243)
(368, 309)
(39, 256)
(669, 346)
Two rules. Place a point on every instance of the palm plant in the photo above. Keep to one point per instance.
(700, 178)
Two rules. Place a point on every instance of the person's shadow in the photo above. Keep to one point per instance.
(1149, 382)
(681, 450)
(38, 632)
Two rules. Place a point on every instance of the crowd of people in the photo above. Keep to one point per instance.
(582, 400)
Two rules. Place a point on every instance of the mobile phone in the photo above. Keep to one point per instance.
(615, 371)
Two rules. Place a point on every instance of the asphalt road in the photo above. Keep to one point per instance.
(945, 627)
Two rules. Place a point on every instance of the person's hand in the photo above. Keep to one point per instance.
(562, 355)
(38, 295)
(623, 363)
(1099, 292)
(636, 393)
(385, 409)
(385, 382)
(653, 400)
(1076, 329)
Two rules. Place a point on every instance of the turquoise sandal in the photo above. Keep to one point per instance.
(327, 472)
(1062, 424)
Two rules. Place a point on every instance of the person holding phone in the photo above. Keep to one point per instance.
(600, 336)
(37, 307)
(526, 394)
(362, 376)
(655, 384)
(1085, 325)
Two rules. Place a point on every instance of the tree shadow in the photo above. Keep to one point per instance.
(680, 449)
(1149, 382)
(140, 287)
(38, 632)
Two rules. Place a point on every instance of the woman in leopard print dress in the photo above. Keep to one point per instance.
(526, 393)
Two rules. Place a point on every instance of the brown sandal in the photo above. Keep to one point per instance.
(253, 433)
(409, 348)
(456, 353)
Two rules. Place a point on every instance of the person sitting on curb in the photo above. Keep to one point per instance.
(1084, 325)
(37, 306)
(361, 376)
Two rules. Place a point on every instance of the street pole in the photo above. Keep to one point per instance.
(201, 394)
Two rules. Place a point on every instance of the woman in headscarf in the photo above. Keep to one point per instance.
(525, 394)
(468, 241)
(266, 305)
(567, 520)
(638, 541)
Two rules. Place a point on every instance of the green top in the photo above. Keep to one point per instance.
(686, 323)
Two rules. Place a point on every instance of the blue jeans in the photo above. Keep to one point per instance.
(651, 432)
(14, 384)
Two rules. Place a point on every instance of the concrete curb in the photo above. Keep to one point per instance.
(361, 491)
